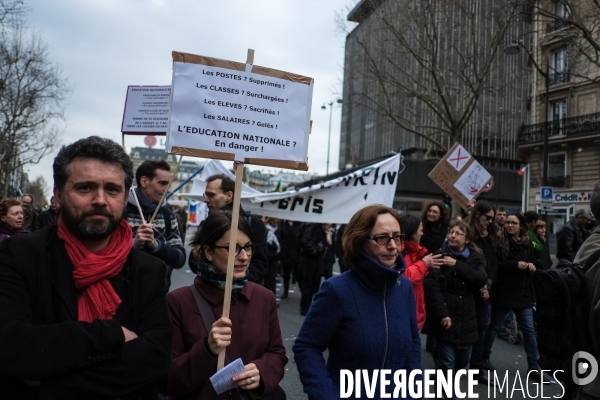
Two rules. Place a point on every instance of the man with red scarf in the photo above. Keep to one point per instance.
(82, 314)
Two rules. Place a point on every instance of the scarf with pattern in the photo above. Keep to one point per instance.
(216, 278)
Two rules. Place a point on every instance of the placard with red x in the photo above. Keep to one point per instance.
(458, 158)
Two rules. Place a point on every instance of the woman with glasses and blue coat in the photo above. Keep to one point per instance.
(450, 298)
(365, 317)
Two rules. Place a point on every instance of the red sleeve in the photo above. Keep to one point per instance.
(416, 272)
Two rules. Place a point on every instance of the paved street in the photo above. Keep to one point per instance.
(505, 357)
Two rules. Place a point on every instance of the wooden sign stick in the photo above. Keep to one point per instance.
(235, 217)
(167, 190)
(137, 202)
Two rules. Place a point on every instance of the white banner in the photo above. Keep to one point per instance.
(334, 201)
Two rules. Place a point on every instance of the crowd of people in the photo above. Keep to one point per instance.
(93, 316)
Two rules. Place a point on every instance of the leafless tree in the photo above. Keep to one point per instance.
(38, 189)
(11, 12)
(32, 92)
(575, 24)
(425, 65)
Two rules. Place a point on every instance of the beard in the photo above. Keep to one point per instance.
(90, 230)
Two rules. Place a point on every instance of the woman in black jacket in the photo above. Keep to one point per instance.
(449, 297)
(481, 221)
(435, 225)
(513, 289)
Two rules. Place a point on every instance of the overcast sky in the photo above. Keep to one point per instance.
(105, 45)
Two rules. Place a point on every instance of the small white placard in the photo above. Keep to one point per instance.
(472, 180)
(146, 110)
(237, 112)
(458, 158)
(221, 381)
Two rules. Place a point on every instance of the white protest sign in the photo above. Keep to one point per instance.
(146, 110)
(333, 201)
(233, 111)
(472, 180)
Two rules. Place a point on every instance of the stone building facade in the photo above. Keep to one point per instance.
(564, 104)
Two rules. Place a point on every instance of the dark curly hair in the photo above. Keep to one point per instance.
(93, 147)
(443, 210)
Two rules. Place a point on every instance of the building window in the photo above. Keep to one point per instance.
(560, 10)
(558, 114)
(561, 15)
(557, 170)
(559, 67)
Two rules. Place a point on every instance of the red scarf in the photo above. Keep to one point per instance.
(91, 271)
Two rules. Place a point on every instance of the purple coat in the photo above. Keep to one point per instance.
(256, 338)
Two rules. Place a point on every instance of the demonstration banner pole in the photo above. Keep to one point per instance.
(167, 190)
(137, 202)
(235, 217)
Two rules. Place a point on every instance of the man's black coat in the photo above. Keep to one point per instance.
(41, 339)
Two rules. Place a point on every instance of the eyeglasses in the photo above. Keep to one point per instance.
(489, 218)
(209, 195)
(456, 233)
(249, 248)
(383, 240)
(511, 223)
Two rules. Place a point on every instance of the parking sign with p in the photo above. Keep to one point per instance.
(546, 193)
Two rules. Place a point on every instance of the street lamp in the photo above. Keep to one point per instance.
(324, 107)
(515, 48)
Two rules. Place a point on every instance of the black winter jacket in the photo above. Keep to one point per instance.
(289, 241)
(569, 239)
(513, 287)
(488, 249)
(43, 340)
(434, 234)
(449, 292)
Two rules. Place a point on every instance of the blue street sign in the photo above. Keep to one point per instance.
(546, 193)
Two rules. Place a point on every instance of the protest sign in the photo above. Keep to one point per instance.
(460, 175)
(234, 111)
(334, 201)
(146, 110)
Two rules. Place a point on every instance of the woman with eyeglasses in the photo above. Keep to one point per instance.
(513, 290)
(450, 298)
(366, 317)
(251, 332)
(417, 261)
(481, 221)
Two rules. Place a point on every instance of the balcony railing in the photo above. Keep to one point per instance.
(566, 127)
(560, 181)
(558, 77)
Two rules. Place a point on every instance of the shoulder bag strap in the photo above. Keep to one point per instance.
(206, 312)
